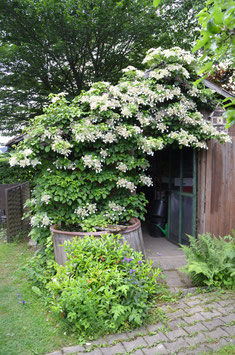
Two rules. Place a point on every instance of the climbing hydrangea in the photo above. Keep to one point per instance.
(91, 154)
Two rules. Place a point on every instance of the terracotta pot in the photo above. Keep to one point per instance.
(132, 234)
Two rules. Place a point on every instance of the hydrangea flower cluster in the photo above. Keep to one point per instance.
(91, 154)
(88, 209)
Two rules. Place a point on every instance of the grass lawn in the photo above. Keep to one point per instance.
(28, 328)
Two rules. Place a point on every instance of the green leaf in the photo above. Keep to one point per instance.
(156, 3)
(206, 68)
(36, 290)
(212, 27)
(200, 44)
(218, 16)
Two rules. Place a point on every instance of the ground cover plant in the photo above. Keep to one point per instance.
(26, 325)
(211, 261)
(105, 286)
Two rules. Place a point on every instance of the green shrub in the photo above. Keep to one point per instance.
(211, 261)
(105, 286)
(11, 175)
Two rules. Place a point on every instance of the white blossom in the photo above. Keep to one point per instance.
(27, 152)
(146, 180)
(13, 161)
(127, 184)
(45, 198)
(85, 211)
(122, 167)
(92, 162)
(35, 162)
(109, 137)
(25, 162)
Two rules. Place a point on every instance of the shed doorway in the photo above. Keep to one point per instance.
(173, 197)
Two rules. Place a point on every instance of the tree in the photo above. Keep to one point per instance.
(217, 41)
(65, 45)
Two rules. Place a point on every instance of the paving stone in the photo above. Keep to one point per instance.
(73, 349)
(135, 332)
(195, 318)
(138, 352)
(56, 353)
(118, 348)
(201, 348)
(217, 333)
(129, 345)
(213, 323)
(230, 329)
(193, 302)
(195, 340)
(175, 345)
(229, 318)
(93, 352)
(177, 314)
(96, 342)
(210, 315)
(159, 349)
(151, 339)
(174, 334)
(174, 324)
(180, 304)
(116, 337)
(217, 345)
(154, 327)
(224, 303)
(195, 309)
(198, 327)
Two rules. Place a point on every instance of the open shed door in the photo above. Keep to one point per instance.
(182, 195)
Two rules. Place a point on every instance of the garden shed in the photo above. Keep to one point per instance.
(198, 187)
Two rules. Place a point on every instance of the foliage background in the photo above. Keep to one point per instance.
(65, 45)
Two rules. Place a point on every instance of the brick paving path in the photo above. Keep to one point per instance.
(196, 324)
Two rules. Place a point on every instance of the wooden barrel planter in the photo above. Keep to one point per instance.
(132, 234)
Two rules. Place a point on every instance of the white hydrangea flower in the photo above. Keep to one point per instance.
(103, 153)
(27, 152)
(127, 184)
(85, 211)
(46, 221)
(35, 162)
(92, 162)
(13, 161)
(61, 146)
(123, 132)
(45, 198)
(25, 162)
(122, 167)
(126, 112)
(146, 180)
(109, 137)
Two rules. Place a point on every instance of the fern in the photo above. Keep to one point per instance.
(210, 260)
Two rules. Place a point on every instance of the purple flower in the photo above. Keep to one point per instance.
(19, 298)
(17, 294)
(131, 271)
(140, 262)
(19, 301)
(25, 302)
(130, 259)
(159, 254)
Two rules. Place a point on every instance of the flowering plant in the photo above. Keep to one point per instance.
(116, 291)
(91, 154)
